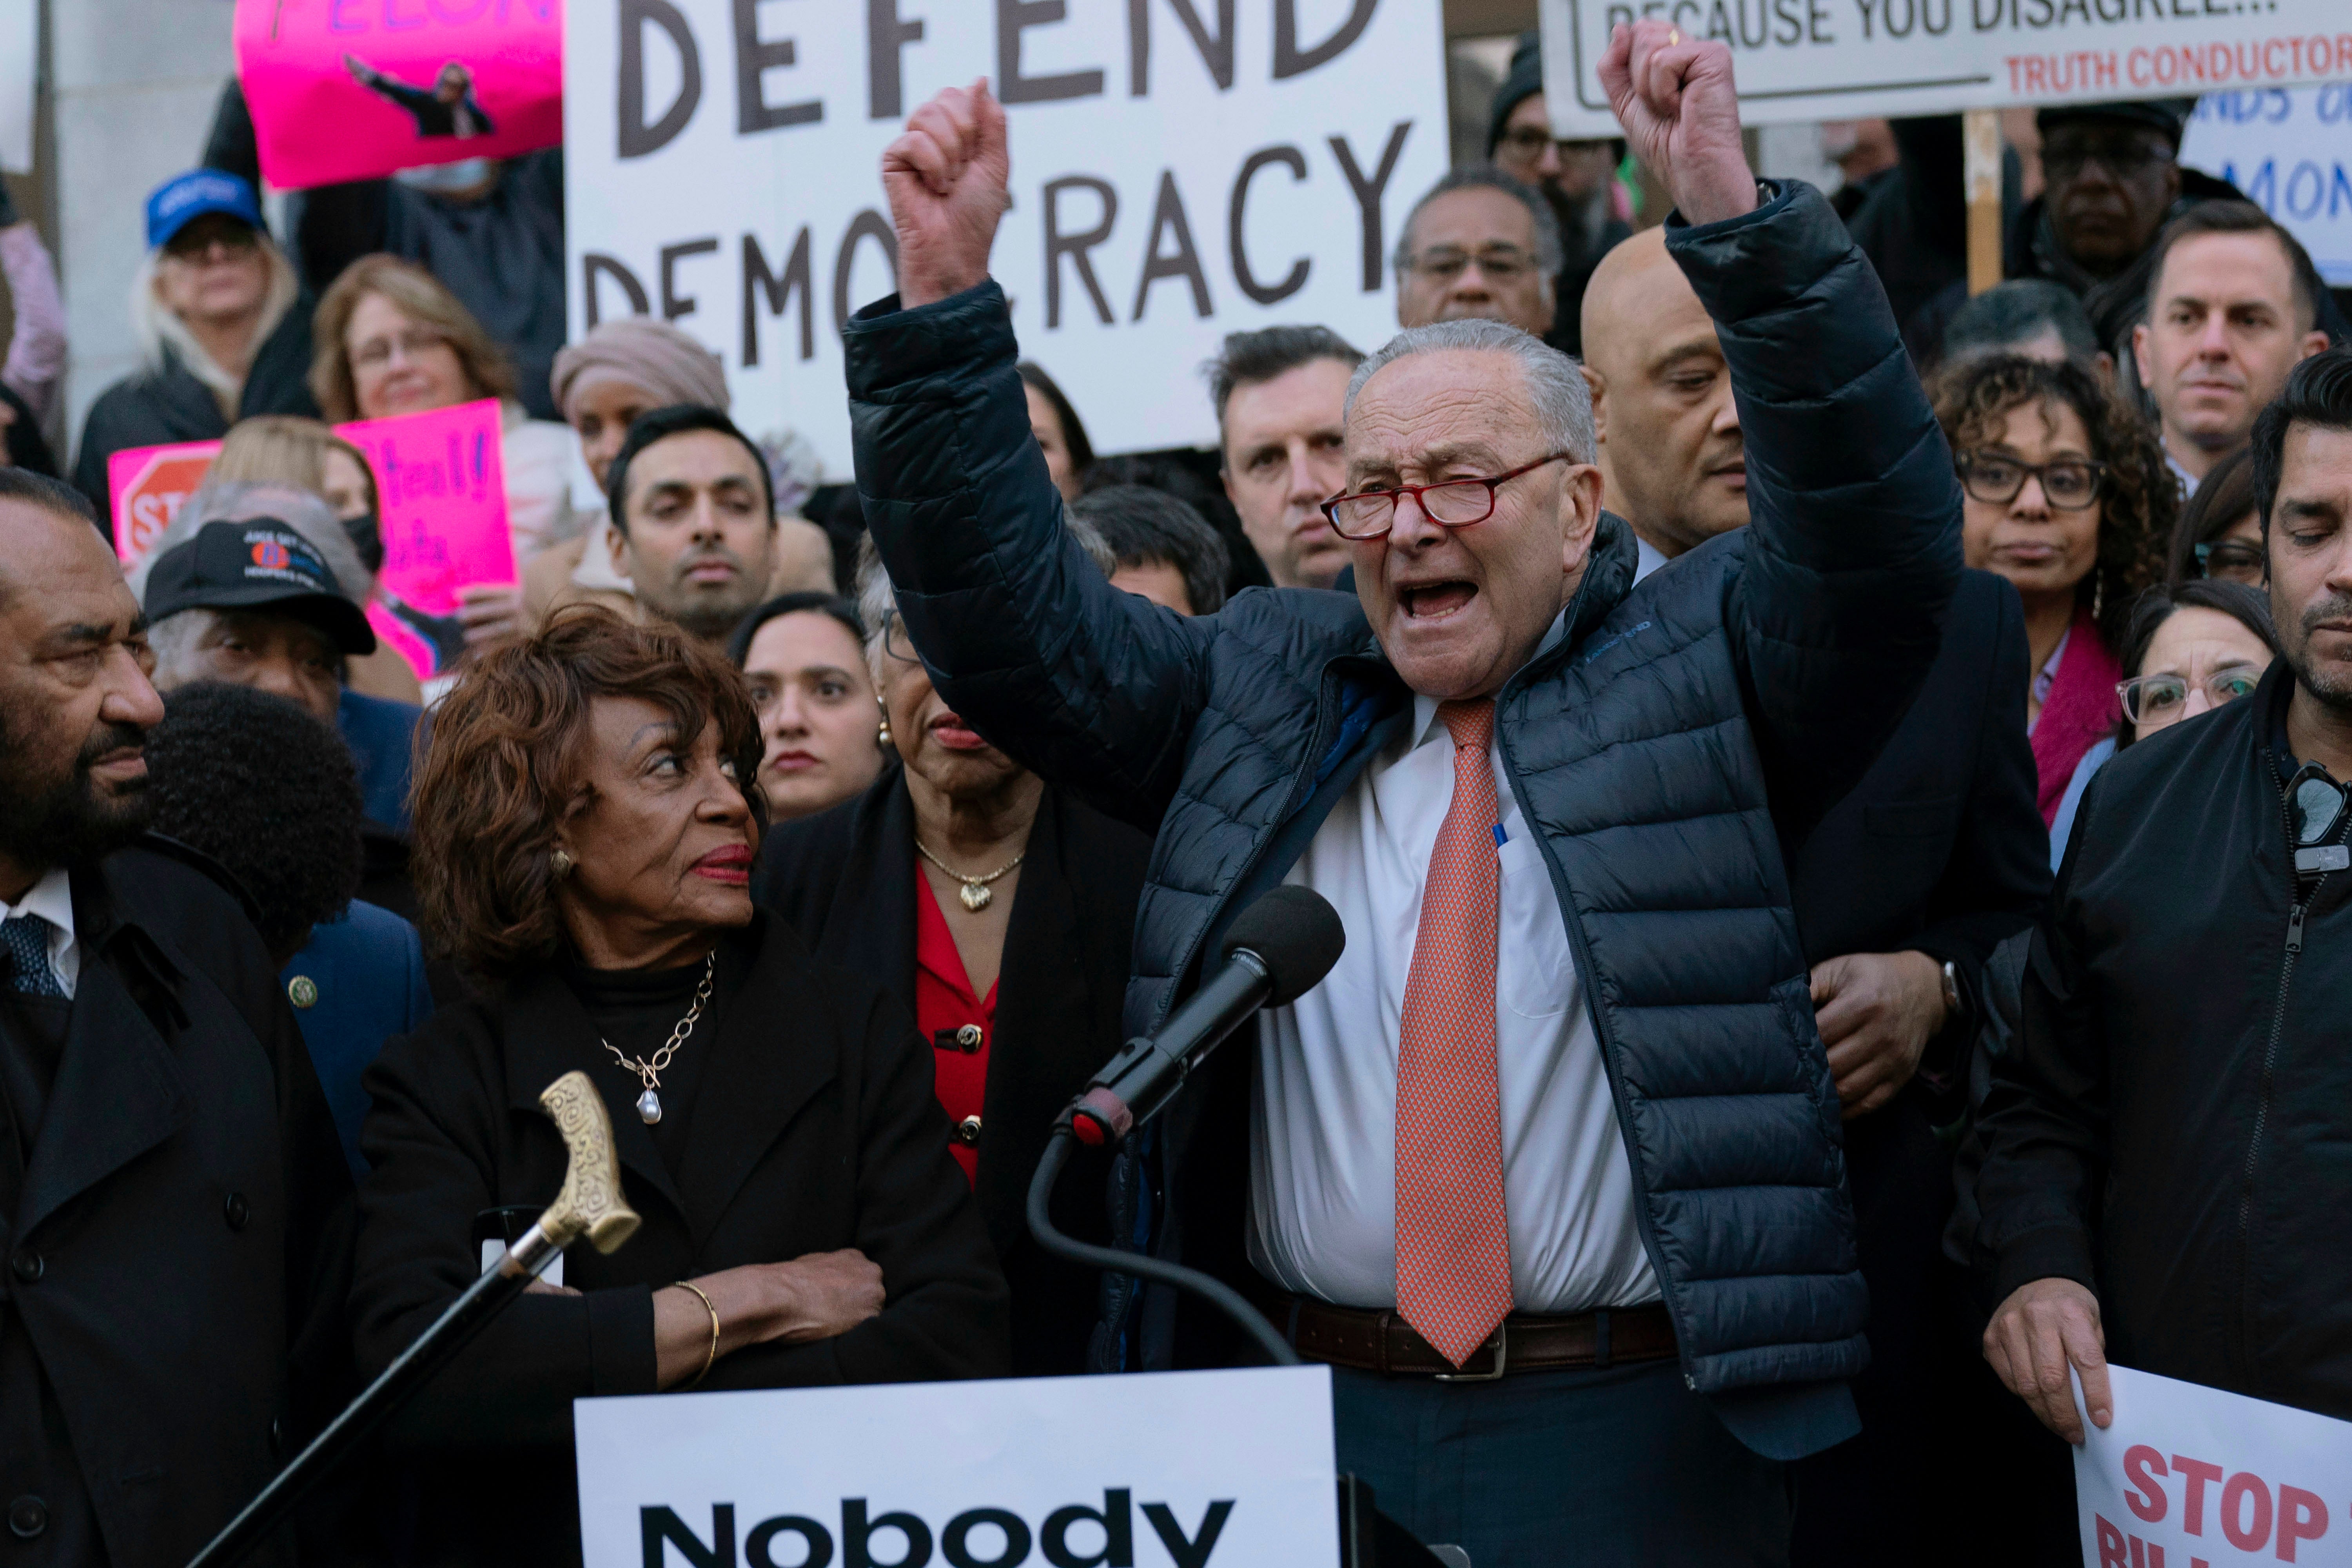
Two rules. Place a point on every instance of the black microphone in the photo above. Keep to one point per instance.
(1277, 950)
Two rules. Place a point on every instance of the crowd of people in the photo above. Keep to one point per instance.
(1836, 790)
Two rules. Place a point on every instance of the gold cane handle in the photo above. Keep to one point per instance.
(591, 1204)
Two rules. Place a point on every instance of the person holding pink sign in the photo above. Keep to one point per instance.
(391, 340)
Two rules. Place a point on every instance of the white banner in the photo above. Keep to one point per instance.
(1845, 60)
(2290, 150)
(1187, 1470)
(2188, 1476)
(1181, 170)
(20, 36)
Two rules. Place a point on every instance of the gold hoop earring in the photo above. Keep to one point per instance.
(561, 863)
(883, 733)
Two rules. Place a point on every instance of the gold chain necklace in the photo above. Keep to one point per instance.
(649, 1071)
(975, 892)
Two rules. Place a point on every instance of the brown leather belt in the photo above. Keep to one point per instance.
(1385, 1343)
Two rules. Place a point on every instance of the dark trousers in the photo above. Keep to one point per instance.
(1614, 1468)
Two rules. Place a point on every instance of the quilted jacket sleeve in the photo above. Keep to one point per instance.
(1092, 687)
(1855, 512)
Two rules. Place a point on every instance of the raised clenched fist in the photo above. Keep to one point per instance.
(945, 175)
(1674, 95)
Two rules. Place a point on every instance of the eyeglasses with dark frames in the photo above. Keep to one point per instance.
(1502, 263)
(2069, 484)
(2233, 561)
(1450, 504)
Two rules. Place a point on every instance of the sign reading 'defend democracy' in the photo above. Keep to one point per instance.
(1842, 59)
(1181, 169)
(2188, 1476)
(1194, 1469)
(2290, 150)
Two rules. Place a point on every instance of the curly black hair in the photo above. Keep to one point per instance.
(2142, 500)
(268, 791)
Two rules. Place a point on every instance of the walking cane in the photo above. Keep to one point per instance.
(589, 1204)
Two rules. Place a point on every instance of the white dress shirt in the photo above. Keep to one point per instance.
(1647, 558)
(51, 898)
(1323, 1113)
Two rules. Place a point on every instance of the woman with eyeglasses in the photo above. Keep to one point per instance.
(2188, 647)
(2219, 535)
(2068, 498)
(999, 911)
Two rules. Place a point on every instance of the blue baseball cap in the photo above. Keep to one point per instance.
(183, 198)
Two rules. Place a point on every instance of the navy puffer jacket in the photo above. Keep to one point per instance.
(1665, 749)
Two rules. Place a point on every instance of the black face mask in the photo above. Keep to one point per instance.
(367, 538)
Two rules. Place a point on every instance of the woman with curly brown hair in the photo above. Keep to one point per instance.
(2068, 498)
(586, 826)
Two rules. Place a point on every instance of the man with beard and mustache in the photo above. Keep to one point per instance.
(690, 497)
(1901, 890)
(171, 1190)
(2164, 1182)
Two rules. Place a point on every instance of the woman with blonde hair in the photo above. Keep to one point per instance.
(223, 332)
(307, 454)
(390, 338)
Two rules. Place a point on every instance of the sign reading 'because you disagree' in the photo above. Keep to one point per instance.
(1181, 169)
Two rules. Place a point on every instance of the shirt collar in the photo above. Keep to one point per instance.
(1424, 708)
(51, 898)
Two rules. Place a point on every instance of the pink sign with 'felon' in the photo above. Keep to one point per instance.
(353, 90)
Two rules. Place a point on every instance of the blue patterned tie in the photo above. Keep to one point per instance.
(26, 938)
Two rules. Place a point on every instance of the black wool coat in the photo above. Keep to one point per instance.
(171, 1322)
(846, 878)
(815, 1128)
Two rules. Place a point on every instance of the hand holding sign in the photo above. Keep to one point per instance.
(947, 175)
(2044, 1329)
(1674, 97)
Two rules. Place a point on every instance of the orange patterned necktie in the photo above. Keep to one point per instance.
(1453, 1245)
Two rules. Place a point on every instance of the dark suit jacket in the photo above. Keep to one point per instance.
(178, 1242)
(846, 877)
(815, 1128)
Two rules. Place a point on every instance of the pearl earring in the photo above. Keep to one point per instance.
(561, 863)
(883, 734)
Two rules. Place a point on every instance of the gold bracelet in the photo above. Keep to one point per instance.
(712, 1359)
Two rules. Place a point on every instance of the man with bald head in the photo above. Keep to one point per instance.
(168, 1172)
(1545, 1163)
(1901, 892)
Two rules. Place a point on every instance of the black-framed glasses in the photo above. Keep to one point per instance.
(2063, 164)
(1502, 263)
(196, 238)
(2069, 484)
(895, 640)
(1529, 142)
(2160, 699)
(1452, 503)
(2233, 561)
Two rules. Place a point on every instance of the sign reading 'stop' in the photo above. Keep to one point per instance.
(1181, 169)
(1842, 59)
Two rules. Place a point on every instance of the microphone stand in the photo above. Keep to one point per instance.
(1111, 1260)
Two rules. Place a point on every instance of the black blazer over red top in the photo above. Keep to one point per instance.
(815, 1128)
(846, 878)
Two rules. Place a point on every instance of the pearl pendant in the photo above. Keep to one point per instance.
(975, 896)
(650, 1107)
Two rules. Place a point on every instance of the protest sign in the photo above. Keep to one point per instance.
(442, 504)
(148, 484)
(2290, 150)
(2188, 1476)
(20, 55)
(1181, 170)
(1844, 59)
(1200, 1469)
(353, 90)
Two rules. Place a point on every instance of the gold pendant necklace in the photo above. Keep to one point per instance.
(649, 1070)
(975, 892)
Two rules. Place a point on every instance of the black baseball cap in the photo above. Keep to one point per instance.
(260, 564)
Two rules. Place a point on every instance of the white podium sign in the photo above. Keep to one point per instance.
(2189, 1475)
(1184, 1468)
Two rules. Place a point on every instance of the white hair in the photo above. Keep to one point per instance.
(174, 639)
(877, 601)
(1563, 404)
(239, 500)
(157, 329)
